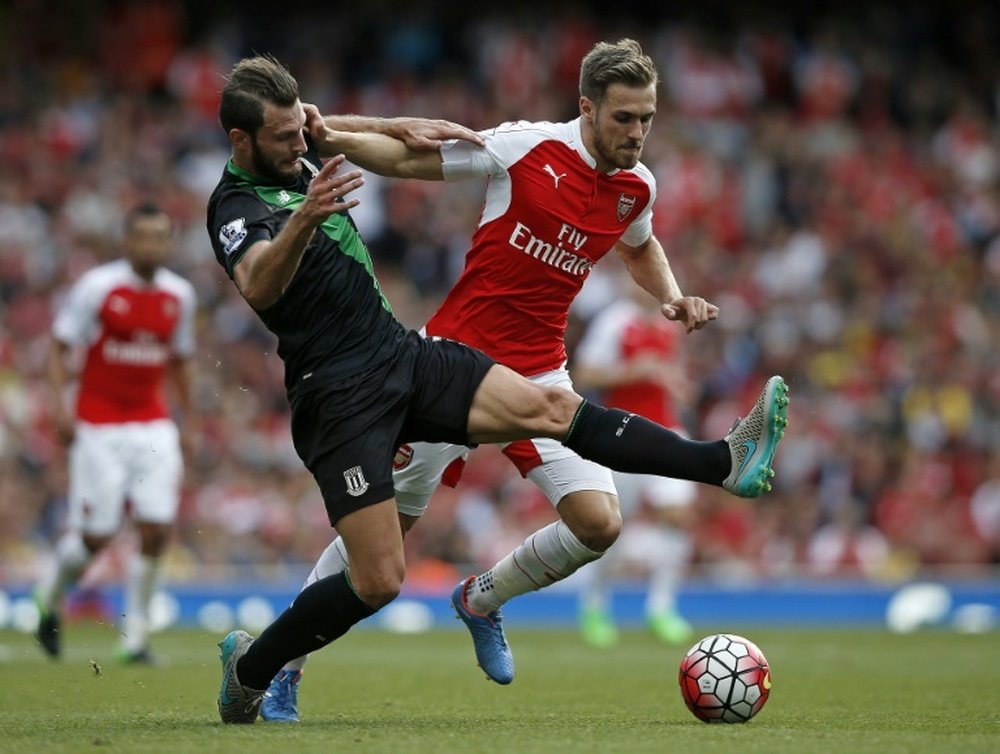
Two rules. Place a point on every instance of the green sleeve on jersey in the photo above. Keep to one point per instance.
(337, 227)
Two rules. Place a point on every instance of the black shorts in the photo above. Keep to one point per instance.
(347, 432)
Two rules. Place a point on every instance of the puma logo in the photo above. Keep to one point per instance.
(551, 171)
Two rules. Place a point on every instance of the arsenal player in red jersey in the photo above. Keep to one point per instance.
(133, 321)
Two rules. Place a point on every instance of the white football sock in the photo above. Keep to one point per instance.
(143, 574)
(667, 570)
(72, 557)
(332, 560)
(595, 590)
(547, 556)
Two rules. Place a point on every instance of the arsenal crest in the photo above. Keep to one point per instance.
(357, 485)
(404, 454)
(625, 204)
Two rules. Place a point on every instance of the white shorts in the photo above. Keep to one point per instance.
(110, 463)
(554, 468)
(658, 491)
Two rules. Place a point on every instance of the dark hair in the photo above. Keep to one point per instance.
(146, 209)
(252, 84)
(620, 63)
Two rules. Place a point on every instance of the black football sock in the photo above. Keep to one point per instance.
(320, 613)
(631, 443)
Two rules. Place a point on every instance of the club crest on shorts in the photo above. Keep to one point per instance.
(356, 483)
(625, 204)
(404, 454)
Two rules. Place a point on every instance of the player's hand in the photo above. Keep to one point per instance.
(327, 191)
(693, 312)
(64, 428)
(423, 135)
(315, 124)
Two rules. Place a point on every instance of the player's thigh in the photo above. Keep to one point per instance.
(156, 468)
(443, 377)
(508, 406)
(557, 470)
(416, 472)
(97, 480)
(582, 491)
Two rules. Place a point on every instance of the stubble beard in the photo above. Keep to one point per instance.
(612, 156)
(266, 168)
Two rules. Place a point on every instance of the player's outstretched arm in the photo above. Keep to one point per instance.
(650, 269)
(419, 134)
(408, 149)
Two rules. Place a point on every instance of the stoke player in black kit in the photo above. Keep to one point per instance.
(360, 384)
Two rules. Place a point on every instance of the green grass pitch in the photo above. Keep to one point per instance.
(834, 691)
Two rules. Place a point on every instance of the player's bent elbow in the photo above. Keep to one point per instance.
(259, 297)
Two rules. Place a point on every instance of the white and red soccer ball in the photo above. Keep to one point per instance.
(724, 678)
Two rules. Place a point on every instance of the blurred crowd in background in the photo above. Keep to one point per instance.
(831, 181)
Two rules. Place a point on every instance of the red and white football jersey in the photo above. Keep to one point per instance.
(620, 333)
(549, 216)
(130, 329)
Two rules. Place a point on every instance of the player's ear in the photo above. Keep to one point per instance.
(587, 108)
(239, 138)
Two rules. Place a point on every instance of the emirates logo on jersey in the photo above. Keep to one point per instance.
(626, 203)
(559, 254)
(146, 352)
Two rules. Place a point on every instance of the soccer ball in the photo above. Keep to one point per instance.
(724, 678)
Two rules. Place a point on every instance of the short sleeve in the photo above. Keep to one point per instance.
(240, 220)
(183, 343)
(461, 160)
(640, 230)
(75, 322)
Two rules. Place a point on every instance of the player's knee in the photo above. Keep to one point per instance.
(379, 589)
(382, 595)
(599, 529)
(554, 408)
(153, 539)
(95, 543)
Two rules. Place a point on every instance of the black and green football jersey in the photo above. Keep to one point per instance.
(332, 321)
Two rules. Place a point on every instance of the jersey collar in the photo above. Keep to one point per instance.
(233, 169)
(581, 148)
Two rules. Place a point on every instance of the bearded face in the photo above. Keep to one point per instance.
(279, 168)
(618, 125)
